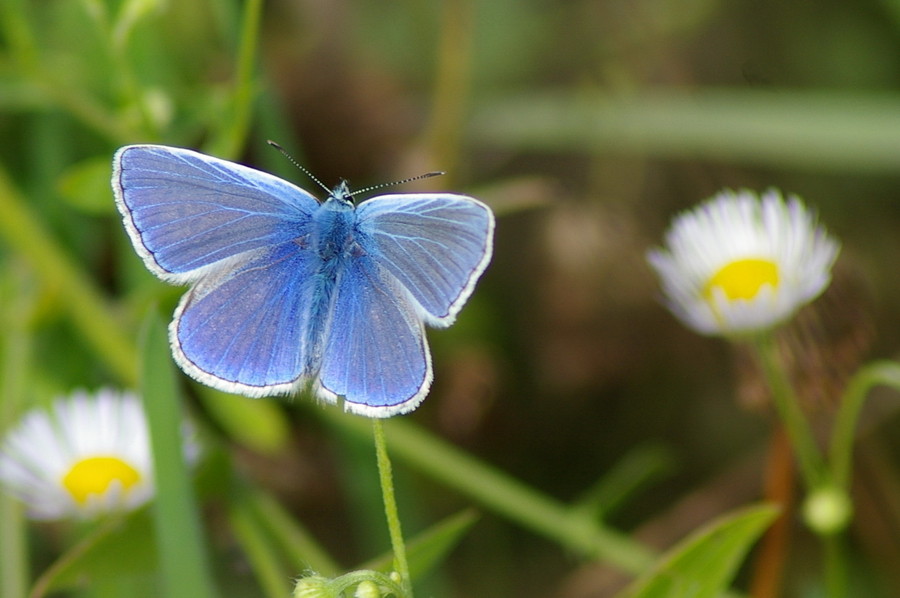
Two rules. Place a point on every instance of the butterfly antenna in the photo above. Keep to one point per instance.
(427, 175)
(291, 159)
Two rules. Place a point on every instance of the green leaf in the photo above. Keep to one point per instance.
(429, 548)
(703, 565)
(85, 186)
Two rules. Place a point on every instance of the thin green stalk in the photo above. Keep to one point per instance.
(843, 435)
(808, 454)
(131, 93)
(20, 40)
(13, 546)
(401, 565)
(835, 567)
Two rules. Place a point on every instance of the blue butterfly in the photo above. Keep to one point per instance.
(289, 293)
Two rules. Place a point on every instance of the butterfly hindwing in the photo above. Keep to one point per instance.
(375, 355)
(186, 211)
(435, 244)
(244, 331)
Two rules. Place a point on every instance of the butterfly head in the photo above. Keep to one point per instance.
(342, 194)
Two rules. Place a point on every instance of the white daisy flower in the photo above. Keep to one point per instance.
(738, 264)
(88, 454)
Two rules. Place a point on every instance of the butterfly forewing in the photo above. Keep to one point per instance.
(435, 245)
(186, 211)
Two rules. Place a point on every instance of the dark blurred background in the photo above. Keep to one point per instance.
(587, 125)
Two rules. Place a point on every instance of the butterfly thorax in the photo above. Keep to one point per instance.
(334, 228)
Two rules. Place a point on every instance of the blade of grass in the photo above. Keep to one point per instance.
(230, 139)
(183, 557)
(270, 572)
(636, 471)
(303, 551)
(452, 85)
(787, 129)
(16, 301)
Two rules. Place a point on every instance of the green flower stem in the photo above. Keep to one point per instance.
(503, 494)
(835, 567)
(87, 308)
(841, 449)
(401, 565)
(146, 127)
(808, 454)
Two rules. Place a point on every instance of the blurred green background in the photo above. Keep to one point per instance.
(586, 125)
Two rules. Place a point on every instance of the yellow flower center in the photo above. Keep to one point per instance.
(94, 475)
(743, 279)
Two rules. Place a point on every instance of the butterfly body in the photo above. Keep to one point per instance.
(334, 241)
(287, 292)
